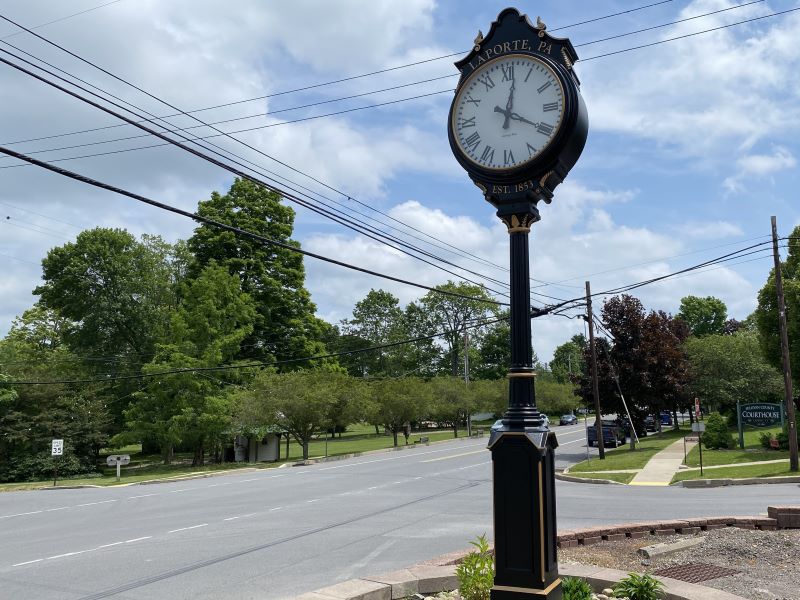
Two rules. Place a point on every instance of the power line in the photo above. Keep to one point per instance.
(210, 159)
(688, 35)
(63, 18)
(236, 230)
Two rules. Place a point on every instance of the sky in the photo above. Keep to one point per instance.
(692, 143)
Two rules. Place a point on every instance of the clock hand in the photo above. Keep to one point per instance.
(516, 117)
(509, 105)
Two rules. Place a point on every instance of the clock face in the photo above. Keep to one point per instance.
(507, 112)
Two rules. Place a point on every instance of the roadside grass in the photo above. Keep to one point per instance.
(766, 470)
(619, 477)
(625, 458)
(358, 438)
(753, 451)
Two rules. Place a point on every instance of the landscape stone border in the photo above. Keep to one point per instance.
(439, 574)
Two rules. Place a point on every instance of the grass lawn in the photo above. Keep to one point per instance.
(752, 452)
(620, 477)
(767, 470)
(624, 458)
(358, 438)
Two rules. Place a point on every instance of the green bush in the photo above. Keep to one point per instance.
(476, 572)
(717, 435)
(575, 588)
(639, 587)
(765, 439)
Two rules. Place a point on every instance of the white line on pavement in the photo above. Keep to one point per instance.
(411, 454)
(66, 554)
(146, 537)
(34, 512)
(454, 456)
(187, 528)
(109, 545)
(28, 562)
(314, 500)
(141, 496)
(93, 503)
(55, 509)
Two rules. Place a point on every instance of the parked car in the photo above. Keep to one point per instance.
(626, 427)
(613, 434)
(650, 423)
(666, 417)
(568, 420)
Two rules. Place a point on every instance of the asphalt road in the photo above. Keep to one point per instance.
(279, 532)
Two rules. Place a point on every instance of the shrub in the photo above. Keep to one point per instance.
(717, 434)
(476, 572)
(575, 588)
(765, 439)
(639, 587)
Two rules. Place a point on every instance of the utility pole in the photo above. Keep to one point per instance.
(787, 372)
(598, 417)
(466, 377)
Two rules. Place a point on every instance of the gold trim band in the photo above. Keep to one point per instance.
(519, 230)
(530, 374)
(509, 588)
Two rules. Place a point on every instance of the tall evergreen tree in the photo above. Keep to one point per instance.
(285, 326)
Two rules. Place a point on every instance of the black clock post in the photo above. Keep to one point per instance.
(552, 131)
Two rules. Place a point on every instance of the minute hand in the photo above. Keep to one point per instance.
(515, 117)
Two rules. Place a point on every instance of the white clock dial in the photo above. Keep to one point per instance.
(508, 111)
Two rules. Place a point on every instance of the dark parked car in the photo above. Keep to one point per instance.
(666, 417)
(613, 434)
(568, 420)
(650, 423)
(626, 426)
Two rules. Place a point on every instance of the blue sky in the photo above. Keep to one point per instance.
(692, 143)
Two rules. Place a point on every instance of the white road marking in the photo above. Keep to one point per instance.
(28, 562)
(142, 496)
(411, 454)
(276, 508)
(147, 537)
(66, 554)
(109, 545)
(182, 490)
(396, 482)
(454, 456)
(187, 528)
(475, 465)
(314, 500)
(374, 487)
(33, 512)
(55, 509)
(415, 478)
(246, 480)
(93, 503)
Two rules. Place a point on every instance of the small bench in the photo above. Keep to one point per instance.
(423, 440)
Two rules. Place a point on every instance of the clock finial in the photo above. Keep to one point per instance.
(478, 40)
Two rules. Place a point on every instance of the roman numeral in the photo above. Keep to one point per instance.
(467, 122)
(473, 141)
(475, 101)
(487, 81)
(488, 154)
(529, 74)
(508, 157)
(531, 150)
(508, 72)
(550, 106)
(544, 128)
(544, 86)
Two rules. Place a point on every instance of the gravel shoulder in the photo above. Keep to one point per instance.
(768, 561)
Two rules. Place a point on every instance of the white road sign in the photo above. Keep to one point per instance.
(118, 459)
(57, 448)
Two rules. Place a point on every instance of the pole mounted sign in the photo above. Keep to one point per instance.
(118, 460)
(758, 414)
(57, 448)
(517, 125)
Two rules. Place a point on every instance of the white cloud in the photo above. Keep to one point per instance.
(711, 231)
(758, 166)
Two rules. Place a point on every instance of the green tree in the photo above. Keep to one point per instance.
(377, 320)
(704, 316)
(568, 359)
(725, 369)
(452, 402)
(31, 416)
(717, 435)
(395, 402)
(299, 402)
(451, 314)
(285, 326)
(766, 315)
(494, 353)
(114, 295)
(214, 317)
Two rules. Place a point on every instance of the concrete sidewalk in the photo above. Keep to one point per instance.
(662, 467)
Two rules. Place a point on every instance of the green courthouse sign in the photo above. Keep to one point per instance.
(761, 415)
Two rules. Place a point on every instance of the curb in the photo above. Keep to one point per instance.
(575, 479)
(705, 483)
(427, 580)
